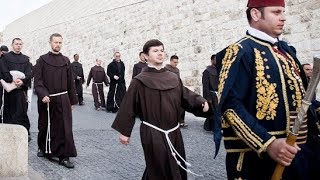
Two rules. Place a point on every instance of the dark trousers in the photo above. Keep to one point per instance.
(98, 95)
(208, 124)
(182, 115)
(1, 96)
(305, 166)
(79, 90)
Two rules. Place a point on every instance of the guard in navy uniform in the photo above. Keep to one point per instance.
(261, 86)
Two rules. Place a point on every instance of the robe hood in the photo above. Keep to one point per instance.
(167, 80)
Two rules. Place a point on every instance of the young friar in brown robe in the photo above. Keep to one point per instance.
(99, 77)
(55, 87)
(155, 96)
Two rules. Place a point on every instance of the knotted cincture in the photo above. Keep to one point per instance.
(2, 105)
(174, 152)
(99, 99)
(48, 137)
(114, 97)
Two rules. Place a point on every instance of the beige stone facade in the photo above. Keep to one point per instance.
(191, 29)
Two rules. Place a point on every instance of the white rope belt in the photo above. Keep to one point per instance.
(58, 94)
(174, 152)
(99, 99)
(2, 105)
(48, 137)
(114, 97)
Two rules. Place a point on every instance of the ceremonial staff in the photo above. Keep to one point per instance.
(306, 102)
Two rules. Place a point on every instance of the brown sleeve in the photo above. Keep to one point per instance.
(125, 118)
(192, 102)
(39, 86)
(89, 77)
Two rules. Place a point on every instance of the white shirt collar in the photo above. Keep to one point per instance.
(262, 35)
(158, 68)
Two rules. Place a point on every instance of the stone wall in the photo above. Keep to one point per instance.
(191, 29)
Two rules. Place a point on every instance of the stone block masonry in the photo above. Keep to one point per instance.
(191, 29)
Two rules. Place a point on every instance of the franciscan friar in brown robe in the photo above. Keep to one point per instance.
(99, 77)
(155, 96)
(54, 75)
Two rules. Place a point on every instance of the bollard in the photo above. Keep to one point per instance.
(13, 151)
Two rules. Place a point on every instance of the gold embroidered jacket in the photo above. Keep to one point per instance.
(260, 89)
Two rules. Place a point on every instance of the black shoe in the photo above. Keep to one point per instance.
(66, 163)
(40, 153)
(115, 110)
(81, 103)
(183, 125)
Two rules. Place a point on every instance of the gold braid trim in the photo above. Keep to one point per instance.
(296, 67)
(229, 57)
(264, 147)
(240, 161)
(274, 133)
(231, 138)
(318, 111)
(238, 150)
(294, 80)
(243, 131)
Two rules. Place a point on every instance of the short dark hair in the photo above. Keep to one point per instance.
(140, 53)
(213, 57)
(4, 48)
(249, 17)
(151, 43)
(18, 39)
(75, 55)
(174, 57)
(305, 64)
(54, 35)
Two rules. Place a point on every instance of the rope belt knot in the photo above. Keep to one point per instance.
(99, 99)
(48, 137)
(174, 152)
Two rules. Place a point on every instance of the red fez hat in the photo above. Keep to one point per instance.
(265, 3)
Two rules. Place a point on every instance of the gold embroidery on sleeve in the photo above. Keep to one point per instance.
(243, 131)
(229, 57)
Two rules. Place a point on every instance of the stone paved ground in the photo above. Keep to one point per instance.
(101, 156)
